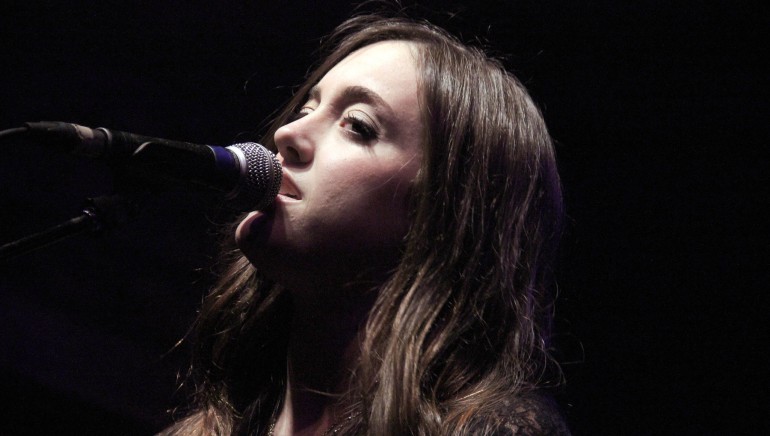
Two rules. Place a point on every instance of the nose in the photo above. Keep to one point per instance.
(294, 142)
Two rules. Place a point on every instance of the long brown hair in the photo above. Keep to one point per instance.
(463, 322)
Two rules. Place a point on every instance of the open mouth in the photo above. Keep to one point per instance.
(288, 189)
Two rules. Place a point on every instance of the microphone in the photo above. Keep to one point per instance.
(248, 174)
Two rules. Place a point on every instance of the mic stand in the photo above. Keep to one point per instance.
(99, 213)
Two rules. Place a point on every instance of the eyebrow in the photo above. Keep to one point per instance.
(355, 94)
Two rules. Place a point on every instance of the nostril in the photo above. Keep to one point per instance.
(292, 154)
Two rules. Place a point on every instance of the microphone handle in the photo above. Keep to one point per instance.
(205, 165)
(143, 156)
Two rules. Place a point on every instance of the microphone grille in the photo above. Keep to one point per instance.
(260, 179)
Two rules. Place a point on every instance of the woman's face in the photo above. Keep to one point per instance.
(349, 160)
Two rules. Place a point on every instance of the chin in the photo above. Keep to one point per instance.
(243, 231)
(253, 232)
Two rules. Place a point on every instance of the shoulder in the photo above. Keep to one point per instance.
(529, 414)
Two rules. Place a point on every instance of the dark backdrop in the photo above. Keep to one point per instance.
(658, 109)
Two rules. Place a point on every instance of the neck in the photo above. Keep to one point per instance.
(323, 347)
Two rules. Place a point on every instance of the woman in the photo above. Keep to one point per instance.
(399, 283)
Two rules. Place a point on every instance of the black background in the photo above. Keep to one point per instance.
(660, 112)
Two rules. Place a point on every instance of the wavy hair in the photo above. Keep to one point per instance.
(463, 321)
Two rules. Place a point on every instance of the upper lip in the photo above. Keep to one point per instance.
(288, 188)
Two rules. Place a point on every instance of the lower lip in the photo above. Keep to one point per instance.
(286, 199)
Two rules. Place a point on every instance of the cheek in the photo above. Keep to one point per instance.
(371, 204)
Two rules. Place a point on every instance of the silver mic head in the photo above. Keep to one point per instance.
(260, 177)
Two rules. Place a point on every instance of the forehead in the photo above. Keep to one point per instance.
(382, 53)
(386, 67)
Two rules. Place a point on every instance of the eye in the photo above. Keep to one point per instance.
(358, 124)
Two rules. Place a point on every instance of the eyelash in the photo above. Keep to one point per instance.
(359, 126)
